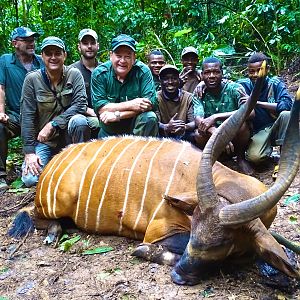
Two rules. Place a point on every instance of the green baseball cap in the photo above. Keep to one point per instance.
(123, 40)
(53, 41)
(22, 32)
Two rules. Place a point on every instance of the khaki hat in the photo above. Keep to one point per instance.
(123, 40)
(189, 49)
(22, 32)
(53, 41)
(87, 31)
(169, 68)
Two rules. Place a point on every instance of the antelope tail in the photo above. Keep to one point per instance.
(22, 224)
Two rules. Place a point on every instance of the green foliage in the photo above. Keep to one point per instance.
(245, 26)
(15, 156)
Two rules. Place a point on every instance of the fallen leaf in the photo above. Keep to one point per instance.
(293, 219)
(293, 199)
(66, 245)
(97, 250)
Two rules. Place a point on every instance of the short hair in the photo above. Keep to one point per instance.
(257, 57)
(156, 52)
(212, 60)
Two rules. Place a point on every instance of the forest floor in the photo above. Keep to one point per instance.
(31, 270)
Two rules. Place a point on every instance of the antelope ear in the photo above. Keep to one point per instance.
(270, 250)
(186, 201)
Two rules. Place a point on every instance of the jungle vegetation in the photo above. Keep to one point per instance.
(226, 28)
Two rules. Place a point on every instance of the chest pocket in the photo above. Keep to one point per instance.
(133, 92)
(65, 98)
(46, 103)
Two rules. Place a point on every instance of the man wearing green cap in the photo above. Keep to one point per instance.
(175, 107)
(52, 107)
(88, 47)
(13, 69)
(123, 92)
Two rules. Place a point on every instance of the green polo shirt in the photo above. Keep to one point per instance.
(106, 88)
(12, 75)
(228, 100)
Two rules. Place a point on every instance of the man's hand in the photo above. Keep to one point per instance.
(108, 117)
(46, 133)
(90, 112)
(205, 123)
(33, 164)
(200, 89)
(184, 75)
(4, 117)
(141, 104)
(175, 126)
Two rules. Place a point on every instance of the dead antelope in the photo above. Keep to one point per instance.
(168, 193)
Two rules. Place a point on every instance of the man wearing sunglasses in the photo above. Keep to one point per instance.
(13, 69)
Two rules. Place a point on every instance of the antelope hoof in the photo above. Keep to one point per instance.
(54, 233)
(156, 253)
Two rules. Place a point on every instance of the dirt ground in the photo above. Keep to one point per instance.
(36, 271)
(31, 270)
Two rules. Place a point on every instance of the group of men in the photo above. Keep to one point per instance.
(52, 105)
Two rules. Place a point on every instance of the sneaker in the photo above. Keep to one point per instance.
(3, 184)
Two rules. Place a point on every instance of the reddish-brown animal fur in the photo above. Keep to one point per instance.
(117, 186)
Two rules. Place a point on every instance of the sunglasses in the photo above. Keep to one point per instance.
(26, 40)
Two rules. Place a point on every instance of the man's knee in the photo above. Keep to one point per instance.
(146, 124)
(76, 121)
(285, 116)
(255, 156)
(78, 129)
(29, 180)
(148, 117)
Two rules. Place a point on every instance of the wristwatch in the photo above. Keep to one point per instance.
(117, 115)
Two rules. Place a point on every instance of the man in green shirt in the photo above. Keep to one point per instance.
(219, 101)
(13, 69)
(123, 93)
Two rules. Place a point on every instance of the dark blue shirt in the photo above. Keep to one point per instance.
(273, 91)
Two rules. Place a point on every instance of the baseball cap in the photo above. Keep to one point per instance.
(22, 32)
(167, 68)
(123, 40)
(189, 49)
(53, 41)
(87, 31)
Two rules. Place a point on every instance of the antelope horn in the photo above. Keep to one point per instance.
(288, 167)
(206, 191)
